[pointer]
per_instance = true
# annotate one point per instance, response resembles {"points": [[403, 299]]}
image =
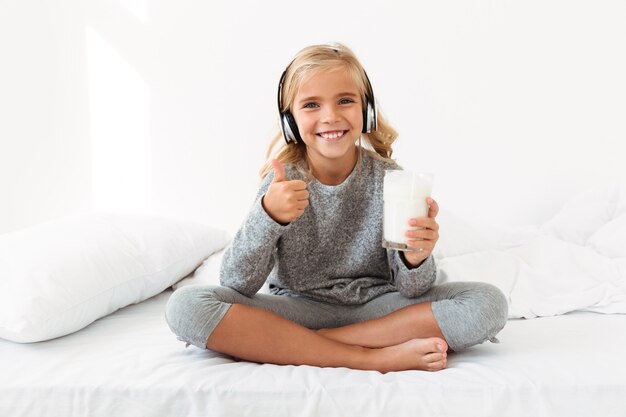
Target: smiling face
{"points": [[327, 110]]}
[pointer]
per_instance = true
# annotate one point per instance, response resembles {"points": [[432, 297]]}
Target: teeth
{"points": [[329, 135]]}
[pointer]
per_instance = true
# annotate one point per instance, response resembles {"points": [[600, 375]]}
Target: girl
{"points": [[338, 298]]}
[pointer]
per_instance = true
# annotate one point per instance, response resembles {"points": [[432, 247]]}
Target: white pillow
{"points": [[610, 239], [209, 274], [206, 274], [461, 236], [58, 277], [587, 212]]}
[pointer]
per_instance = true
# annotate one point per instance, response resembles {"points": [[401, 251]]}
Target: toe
{"points": [[436, 366], [441, 345], [434, 357]]}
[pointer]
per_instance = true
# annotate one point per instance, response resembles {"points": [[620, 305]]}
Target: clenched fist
{"points": [[285, 200]]}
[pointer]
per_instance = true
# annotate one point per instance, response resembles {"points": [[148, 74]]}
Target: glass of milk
{"points": [[404, 198]]}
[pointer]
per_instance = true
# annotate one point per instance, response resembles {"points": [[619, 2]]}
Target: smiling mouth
{"points": [[332, 136]]}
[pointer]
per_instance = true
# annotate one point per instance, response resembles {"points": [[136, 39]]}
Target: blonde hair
{"points": [[311, 60]]}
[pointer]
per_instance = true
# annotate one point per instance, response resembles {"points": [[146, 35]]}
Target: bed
{"points": [[128, 364], [560, 353]]}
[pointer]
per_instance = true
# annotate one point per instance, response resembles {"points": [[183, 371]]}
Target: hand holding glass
{"points": [[404, 198]]}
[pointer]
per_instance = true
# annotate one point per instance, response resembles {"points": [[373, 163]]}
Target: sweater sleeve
{"points": [[414, 282], [251, 256]]}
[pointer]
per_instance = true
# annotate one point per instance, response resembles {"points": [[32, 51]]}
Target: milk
{"points": [[404, 197]]}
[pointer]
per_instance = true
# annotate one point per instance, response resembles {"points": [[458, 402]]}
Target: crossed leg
{"points": [[388, 333], [411, 322], [257, 335]]}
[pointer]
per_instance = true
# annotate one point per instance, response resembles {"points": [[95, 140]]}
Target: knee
{"points": [[471, 313], [193, 311], [494, 308], [179, 307]]}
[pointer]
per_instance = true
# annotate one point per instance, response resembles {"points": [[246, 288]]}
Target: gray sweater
{"points": [[332, 252]]}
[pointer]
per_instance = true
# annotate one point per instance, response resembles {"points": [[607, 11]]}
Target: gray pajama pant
{"points": [[468, 313]]}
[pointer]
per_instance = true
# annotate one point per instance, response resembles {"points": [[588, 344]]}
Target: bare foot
{"points": [[419, 354]]}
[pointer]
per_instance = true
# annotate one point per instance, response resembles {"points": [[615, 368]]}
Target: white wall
{"points": [[167, 107]]}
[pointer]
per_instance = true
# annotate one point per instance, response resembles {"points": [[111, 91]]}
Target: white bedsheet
{"points": [[129, 364]]}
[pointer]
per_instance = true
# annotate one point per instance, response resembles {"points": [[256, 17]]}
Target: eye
{"points": [[346, 101], [310, 105]]}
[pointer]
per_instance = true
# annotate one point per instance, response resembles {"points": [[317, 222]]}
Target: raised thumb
{"points": [[279, 171]]}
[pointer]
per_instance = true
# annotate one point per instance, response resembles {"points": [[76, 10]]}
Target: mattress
{"points": [[130, 364]]}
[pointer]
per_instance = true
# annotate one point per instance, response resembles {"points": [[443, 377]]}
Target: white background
{"points": [[167, 107]]}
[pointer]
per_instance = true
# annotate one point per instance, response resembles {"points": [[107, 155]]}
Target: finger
{"points": [[426, 246], [421, 234], [433, 210], [301, 195], [296, 185], [303, 204], [425, 222], [279, 171]]}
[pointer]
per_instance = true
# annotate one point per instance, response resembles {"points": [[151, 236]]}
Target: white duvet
{"points": [[575, 261]]}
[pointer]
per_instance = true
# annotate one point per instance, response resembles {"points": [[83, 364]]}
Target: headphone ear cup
{"points": [[290, 128], [369, 118]]}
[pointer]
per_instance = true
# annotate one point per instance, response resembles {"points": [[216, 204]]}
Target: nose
{"points": [[330, 114]]}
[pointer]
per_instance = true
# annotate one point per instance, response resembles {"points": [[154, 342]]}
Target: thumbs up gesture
{"points": [[285, 200]]}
